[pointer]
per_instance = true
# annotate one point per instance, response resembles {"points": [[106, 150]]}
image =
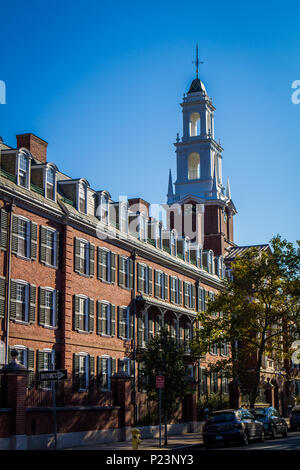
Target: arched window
{"points": [[195, 128], [23, 169], [194, 166]]}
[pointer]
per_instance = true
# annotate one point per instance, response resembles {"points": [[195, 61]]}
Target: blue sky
{"points": [[102, 82]]}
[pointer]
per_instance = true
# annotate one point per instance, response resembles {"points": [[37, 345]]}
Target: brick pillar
{"points": [[121, 392], [16, 381]]}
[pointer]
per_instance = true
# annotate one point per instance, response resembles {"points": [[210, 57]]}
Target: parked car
{"points": [[232, 425], [273, 423], [295, 418]]}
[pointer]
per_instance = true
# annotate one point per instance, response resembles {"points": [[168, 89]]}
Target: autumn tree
{"points": [[257, 312]]}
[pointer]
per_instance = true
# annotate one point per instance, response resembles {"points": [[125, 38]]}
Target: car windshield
{"points": [[259, 412], [220, 417]]}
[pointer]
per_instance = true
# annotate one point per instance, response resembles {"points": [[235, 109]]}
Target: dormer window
{"points": [[173, 243], [23, 170], [123, 217], [82, 198], [50, 190], [104, 208], [186, 248], [142, 227]]}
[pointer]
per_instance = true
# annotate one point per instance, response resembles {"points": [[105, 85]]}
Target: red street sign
{"points": [[160, 381]]}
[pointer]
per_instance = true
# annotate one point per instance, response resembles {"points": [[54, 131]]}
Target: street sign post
{"points": [[53, 376], [49, 375], [160, 384]]}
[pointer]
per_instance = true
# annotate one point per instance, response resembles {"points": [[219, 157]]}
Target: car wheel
{"points": [[245, 439], [273, 433], [262, 436]]}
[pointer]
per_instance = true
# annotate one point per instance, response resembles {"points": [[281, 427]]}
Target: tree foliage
{"points": [[257, 313], [163, 357]]}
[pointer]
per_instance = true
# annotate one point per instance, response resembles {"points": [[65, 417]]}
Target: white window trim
{"points": [[50, 167], [85, 313], [86, 371], [21, 347], [19, 155], [54, 294], [109, 370], [27, 286]]}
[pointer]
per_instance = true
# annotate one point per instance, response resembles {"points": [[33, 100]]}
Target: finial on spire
{"points": [[197, 62]]}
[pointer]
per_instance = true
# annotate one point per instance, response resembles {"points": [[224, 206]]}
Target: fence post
{"points": [[16, 381]]}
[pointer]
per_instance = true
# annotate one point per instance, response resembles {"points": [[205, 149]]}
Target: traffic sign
{"points": [[160, 381], [56, 375]]}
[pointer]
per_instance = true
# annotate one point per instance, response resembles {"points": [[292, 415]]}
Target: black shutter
{"points": [[91, 371], [13, 294], [121, 270], [15, 231], [3, 228], [92, 260], [150, 280], [131, 267], [112, 267], [42, 310], [43, 235], [91, 315], [2, 297], [76, 255], [33, 240], [76, 312], [112, 320], [32, 303]]}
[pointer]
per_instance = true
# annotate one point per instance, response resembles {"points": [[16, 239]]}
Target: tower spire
{"points": [[197, 62], [170, 186]]}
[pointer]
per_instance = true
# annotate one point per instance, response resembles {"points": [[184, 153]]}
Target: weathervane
{"points": [[197, 62]]}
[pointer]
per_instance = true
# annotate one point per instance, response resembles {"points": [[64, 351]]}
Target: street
{"points": [[292, 442]]}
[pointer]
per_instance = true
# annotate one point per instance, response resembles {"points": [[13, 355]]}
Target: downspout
{"points": [[197, 326], [8, 279], [133, 257]]}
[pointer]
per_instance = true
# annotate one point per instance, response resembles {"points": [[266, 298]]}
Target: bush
{"points": [[213, 402]]}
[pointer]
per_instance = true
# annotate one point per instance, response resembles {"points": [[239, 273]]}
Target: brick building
{"points": [[72, 261]]}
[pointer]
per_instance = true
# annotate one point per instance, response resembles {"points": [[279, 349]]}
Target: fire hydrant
{"points": [[136, 438]]}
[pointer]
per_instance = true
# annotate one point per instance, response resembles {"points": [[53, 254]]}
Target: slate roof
{"points": [[240, 250]]}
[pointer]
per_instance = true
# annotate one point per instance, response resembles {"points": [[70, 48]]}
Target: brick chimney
{"points": [[34, 144], [139, 205]]}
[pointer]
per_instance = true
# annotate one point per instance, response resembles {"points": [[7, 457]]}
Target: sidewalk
{"points": [[178, 441]]}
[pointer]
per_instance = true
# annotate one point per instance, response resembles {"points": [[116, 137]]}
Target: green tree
{"points": [[257, 312], [163, 356]]}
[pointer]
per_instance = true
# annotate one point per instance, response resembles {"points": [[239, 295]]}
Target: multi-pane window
{"points": [[82, 198], [125, 273], [83, 371], [106, 318], [23, 172], [203, 381], [213, 348], [48, 307], [125, 323], [161, 284], [22, 301], [103, 209], [49, 248], [50, 183], [106, 265], [47, 360], [83, 313], [175, 290], [84, 257], [224, 348], [26, 358], [24, 237], [106, 367], [144, 279], [142, 227], [213, 382], [189, 295], [225, 384], [202, 299], [173, 243]]}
